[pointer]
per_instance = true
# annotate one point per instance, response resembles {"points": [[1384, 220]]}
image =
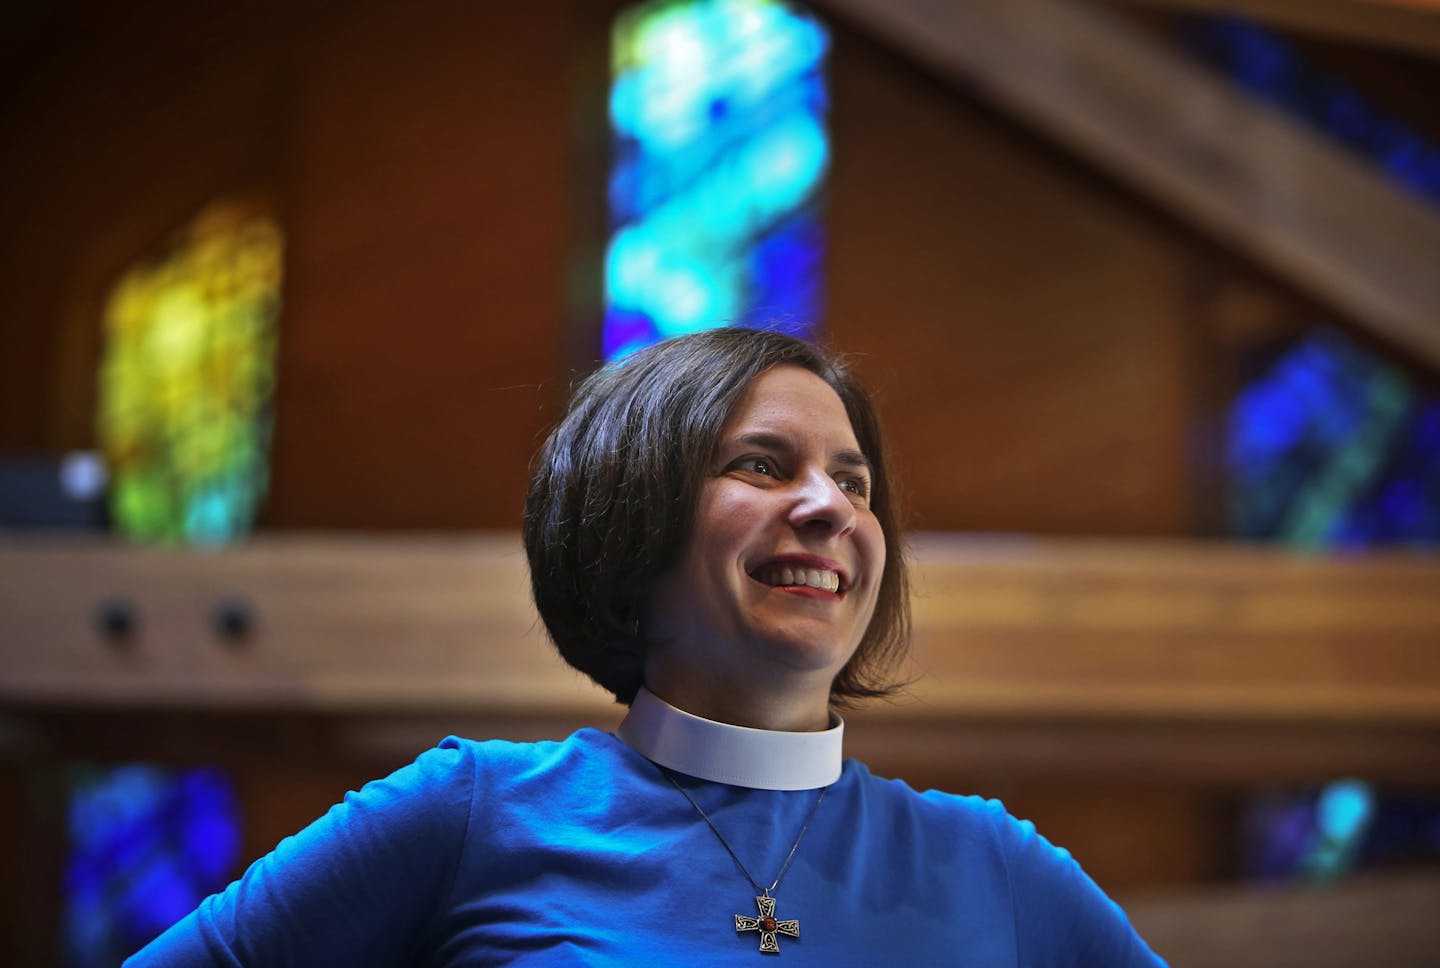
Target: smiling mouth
{"points": [[791, 576]]}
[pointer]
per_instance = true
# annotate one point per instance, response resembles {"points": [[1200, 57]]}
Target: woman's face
{"points": [[779, 581]]}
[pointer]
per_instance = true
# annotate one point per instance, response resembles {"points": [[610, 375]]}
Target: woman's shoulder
{"points": [[970, 816], [488, 762], [457, 755], [1055, 903], [935, 806]]}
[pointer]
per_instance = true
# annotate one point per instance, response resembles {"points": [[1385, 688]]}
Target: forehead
{"points": [[791, 399]]}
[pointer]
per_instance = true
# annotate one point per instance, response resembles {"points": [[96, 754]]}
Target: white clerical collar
{"points": [[761, 759]]}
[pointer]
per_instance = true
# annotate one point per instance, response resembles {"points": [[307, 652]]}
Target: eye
{"points": [[858, 486], [763, 466]]}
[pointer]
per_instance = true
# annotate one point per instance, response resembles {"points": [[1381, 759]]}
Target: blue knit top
{"points": [[581, 852]]}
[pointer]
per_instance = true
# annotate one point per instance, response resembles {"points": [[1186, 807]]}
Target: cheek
{"points": [[711, 550], [872, 544], [727, 519], [872, 540]]}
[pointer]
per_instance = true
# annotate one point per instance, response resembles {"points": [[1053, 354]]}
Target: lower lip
{"points": [[805, 591]]}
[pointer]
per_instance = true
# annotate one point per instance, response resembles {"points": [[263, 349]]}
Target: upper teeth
{"points": [[786, 575]]}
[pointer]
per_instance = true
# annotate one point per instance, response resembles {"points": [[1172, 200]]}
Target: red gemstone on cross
{"points": [[767, 924]]}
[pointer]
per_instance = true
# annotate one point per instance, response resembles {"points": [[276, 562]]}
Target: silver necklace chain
{"points": [[765, 891]]}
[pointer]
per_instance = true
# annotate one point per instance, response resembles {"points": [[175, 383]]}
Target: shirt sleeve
{"points": [[1061, 916], [359, 886]]}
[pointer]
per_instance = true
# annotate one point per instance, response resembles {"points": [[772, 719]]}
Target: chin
{"points": [[807, 650]]}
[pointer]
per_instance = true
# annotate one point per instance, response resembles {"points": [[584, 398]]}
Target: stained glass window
{"points": [[1331, 446], [1320, 835], [187, 377], [146, 845], [717, 111], [185, 387]]}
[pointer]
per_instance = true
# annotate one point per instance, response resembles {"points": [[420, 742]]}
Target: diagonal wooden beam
{"points": [[1408, 25], [1243, 172]]}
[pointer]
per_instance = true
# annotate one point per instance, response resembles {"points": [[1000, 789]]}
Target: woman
{"points": [[712, 538]]}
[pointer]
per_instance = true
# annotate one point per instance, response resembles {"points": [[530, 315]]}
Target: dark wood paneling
{"points": [[1021, 321], [424, 317]]}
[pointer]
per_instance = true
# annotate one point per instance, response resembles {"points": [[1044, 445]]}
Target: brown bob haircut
{"points": [[612, 500]]}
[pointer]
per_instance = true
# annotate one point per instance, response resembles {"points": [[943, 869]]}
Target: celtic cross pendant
{"points": [[766, 924]]}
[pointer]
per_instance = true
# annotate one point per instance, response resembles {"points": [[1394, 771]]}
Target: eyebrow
{"points": [[846, 457]]}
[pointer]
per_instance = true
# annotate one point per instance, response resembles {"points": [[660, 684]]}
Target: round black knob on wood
{"points": [[233, 619], [116, 619]]}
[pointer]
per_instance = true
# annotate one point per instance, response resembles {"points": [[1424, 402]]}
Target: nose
{"points": [[820, 505]]}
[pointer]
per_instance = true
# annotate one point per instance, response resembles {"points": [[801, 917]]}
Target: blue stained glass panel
{"points": [[1331, 446], [1320, 835], [147, 844], [718, 112]]}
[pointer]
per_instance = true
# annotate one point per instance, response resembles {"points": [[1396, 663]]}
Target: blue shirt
{"points": [[581, 852]]}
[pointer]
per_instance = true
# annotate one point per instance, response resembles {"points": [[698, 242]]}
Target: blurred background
{"points": [[1149, 294]]}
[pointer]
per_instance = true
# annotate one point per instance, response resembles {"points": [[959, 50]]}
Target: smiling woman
{"points": [[778, 583], [709, 445], [712, 537]]}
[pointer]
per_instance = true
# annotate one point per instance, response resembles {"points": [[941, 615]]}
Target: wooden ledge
{"points": [[1187, 661], [1005, 628]]}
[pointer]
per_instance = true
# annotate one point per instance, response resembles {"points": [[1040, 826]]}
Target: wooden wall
{"points": [[425, 317], [1025, 322]]}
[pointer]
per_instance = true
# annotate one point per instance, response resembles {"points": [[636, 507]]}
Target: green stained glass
{"points": [[186, 380]]}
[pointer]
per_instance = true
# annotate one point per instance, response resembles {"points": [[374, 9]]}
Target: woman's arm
{"points": [[359, 886], [1061, 916]]}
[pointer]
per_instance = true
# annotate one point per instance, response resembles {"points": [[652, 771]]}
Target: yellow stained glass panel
{"points": [[187, 376]]}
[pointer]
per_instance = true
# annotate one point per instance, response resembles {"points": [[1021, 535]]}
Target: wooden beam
{"points": [[1412, 26], [1080, 630], [1367, 918], [1197, 663], [1241, 171], [336, 623], [1160, 630]]}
